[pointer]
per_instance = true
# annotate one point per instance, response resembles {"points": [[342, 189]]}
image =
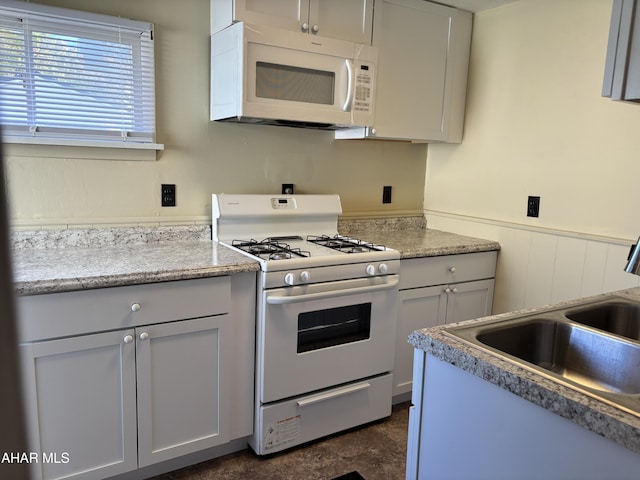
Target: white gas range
{"points": [[326, 316]]}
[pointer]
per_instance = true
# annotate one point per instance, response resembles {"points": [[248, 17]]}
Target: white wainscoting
{"points": [[538, 266]]}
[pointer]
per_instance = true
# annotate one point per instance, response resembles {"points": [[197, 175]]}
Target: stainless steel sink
{"points": [[594, 348], [617, 317], [577, 354]]}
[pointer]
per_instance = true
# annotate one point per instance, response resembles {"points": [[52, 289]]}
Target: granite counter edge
{"points": [[423, 252]]}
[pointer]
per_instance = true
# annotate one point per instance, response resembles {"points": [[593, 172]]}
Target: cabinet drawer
{"points": [[422, 272], [88, 311]]}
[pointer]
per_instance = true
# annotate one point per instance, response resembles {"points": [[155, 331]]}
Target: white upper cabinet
{"points": [[422, 72], [622, 68], [350, 20]]}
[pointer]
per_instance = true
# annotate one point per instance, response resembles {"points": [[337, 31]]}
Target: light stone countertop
{"points": [[411, 237], [38, 271], [607, 420], [50, 261], [426, 243]]}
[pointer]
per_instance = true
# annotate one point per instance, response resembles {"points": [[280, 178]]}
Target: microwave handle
{"points": [[349, 100]]}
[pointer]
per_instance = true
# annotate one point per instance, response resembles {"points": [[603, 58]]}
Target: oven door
{"points": [[316, 336]]}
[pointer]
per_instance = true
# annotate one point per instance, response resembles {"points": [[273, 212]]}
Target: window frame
{"points": [[143, 135]]}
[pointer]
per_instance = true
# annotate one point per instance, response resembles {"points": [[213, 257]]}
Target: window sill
{"points": [[63, 142], [72, 149]]}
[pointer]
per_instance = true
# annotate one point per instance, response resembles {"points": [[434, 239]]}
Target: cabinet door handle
{"points": [[135, 307], [305, 27], [451, 290], [452, 269], [128, 339], [144, 335], [315, 29]]}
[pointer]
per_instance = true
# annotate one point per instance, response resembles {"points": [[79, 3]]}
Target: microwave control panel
{"points": [[364, 88]]}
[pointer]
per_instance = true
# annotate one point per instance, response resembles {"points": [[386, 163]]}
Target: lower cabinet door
{"points": [[469, 300], [417, 308], [182, 387], [80, 397]]}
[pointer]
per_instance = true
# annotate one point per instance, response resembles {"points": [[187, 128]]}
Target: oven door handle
{"points": [[287, 299], [321, 397]]}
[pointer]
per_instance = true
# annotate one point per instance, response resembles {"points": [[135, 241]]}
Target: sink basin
{"points": [[582, 356], [617, 317], [593, 347]]}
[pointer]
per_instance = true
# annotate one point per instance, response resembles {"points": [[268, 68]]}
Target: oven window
{"points": [[333, 326], [283, 82]]}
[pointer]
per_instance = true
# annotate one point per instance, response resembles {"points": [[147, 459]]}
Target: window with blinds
{"points": [[70, 77]]}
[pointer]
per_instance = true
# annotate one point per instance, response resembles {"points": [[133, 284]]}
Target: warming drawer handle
{"points": [[284, 300], [321, 397]]}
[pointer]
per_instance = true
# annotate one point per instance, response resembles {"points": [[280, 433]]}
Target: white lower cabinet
{"points": [[435, 291], [81, 405], [102, 404], [181, 382], [498, 435]]}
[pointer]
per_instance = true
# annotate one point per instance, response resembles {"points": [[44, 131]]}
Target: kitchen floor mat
{"points": [[350, 476]]}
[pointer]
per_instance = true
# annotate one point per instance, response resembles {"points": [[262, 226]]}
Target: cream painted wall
{"points": [[53, 186], [536, 124]]}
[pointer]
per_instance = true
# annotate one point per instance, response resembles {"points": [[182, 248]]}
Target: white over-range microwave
{"points": [[276, 77]]}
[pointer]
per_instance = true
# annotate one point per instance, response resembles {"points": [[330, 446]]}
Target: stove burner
{"points": [[344, 244], [271, 248]]}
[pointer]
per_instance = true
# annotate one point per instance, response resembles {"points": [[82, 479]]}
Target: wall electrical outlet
{"points": [[168, 195], [386, 194], [533, 207]]}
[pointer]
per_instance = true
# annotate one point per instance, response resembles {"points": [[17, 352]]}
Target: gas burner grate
{"points": [[271, 248], [344, 244]]}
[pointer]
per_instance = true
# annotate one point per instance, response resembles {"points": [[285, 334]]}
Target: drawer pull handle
{"points": [[136, 307], [452, 269], [303, 402], [144, 336], [128, 339]]}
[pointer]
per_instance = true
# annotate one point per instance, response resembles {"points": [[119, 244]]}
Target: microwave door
{"points": [[292, 85]]}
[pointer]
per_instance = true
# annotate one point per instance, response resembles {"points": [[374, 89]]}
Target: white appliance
{"points": [[277, 77], [326, 316]]}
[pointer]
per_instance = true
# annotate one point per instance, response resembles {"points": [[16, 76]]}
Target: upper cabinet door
{"points": [[622, 67], [422, 72], [343, 19], [287, 14], [350, 20]]}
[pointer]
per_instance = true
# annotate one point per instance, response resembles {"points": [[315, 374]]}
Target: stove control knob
{"points": [[305, 276], [383, 269], [290, 278], [371, 270]]}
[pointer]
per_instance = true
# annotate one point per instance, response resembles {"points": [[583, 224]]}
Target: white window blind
{"points": [[70, 76]]}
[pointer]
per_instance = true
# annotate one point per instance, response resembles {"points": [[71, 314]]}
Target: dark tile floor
{"points": [[377, 451]]}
